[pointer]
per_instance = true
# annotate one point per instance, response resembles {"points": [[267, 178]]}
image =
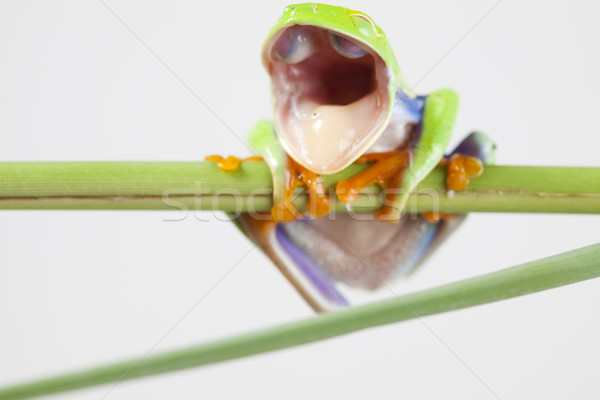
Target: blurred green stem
{"points": [[550, 272], [202, 186]]}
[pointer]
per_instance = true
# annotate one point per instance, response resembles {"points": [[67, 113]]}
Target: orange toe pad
{"points": [[230, 163], [460, 169]]}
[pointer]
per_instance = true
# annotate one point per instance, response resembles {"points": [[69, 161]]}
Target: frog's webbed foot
{"points": [[318, 199], [230, 163], [461, 168], [288, 175], [470, 156], [465, 162], [387, 172]]}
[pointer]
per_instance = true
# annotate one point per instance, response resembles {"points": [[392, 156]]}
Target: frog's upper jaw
{"points": [[331, 96]]}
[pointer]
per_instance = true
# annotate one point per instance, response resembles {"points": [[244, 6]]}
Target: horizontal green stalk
{"points": [[203, 186], [550, 272]]}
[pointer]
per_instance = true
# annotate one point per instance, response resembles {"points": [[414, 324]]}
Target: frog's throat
{"points": [[329, 109]]}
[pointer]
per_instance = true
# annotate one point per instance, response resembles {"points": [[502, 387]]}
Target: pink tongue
{"points": [[324, 138]]}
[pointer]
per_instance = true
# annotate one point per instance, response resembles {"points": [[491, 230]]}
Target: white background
{"points": [[82, 288]]}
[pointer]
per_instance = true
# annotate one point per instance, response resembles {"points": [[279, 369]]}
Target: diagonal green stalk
{"points": [[562, 269], [202, 186]]}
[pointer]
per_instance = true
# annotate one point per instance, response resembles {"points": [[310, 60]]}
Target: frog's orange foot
{"points": [[230, 163], [346, 191], [460, 169], [387, 171], [389, 212], [318, 200]]}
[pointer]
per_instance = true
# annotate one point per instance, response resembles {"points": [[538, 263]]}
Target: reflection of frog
{"points": [[339, 99]]}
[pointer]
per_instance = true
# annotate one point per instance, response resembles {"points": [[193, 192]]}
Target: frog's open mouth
{"points": [[331, 96]]}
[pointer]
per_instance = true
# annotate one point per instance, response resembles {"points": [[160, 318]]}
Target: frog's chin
{"points": [[329, 109]]}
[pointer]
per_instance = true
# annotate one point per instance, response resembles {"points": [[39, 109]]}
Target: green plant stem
{"points": [[562, 269], [202, 186]]}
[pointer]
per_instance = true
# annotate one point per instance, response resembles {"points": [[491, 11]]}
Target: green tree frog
{"points": [[338, 98]]}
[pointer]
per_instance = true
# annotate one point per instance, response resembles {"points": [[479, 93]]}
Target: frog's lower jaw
{"points": [[324, 131], [329, 108]]}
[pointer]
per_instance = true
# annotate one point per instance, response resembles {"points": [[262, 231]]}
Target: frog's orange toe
{"points": [[386, 166], [230, 163], [387, 171], [473, 166], [318, 198], [460, 169], [319, 206], [346, 192]]}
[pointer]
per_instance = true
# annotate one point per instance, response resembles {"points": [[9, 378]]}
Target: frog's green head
{"points": [[334, 80]]}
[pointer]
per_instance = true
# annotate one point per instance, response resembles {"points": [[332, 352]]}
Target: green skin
{"points": [[440, 106]]}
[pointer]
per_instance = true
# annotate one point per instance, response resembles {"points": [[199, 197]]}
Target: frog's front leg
{"points": [[295, 175], [387, 171], [287, 175], [409, 166], [318, 199]]}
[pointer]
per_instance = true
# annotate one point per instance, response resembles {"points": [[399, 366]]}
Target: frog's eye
{"points": [[293, 46], [346, 47]]}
